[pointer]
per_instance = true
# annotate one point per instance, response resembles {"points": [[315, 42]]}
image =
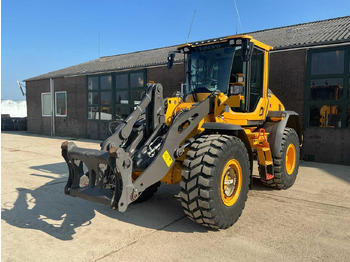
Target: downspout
{"points": [[52, 91]]}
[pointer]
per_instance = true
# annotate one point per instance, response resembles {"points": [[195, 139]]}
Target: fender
{"points": [[275, 129], [213, 126]]}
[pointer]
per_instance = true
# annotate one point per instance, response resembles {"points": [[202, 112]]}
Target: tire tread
{"points": [[197, 179]]}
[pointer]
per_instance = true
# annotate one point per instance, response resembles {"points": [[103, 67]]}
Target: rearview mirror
{"points": [[171, 58], [247, 49]]}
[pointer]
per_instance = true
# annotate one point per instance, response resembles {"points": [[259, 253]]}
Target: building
{"points": [[309, 72]]}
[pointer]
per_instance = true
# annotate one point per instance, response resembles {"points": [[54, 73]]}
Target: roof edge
{"points": [[300, 24], [276, 48]]}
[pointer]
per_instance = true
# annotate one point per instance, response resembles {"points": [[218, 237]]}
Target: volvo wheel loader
{"points": [[206, 137]]}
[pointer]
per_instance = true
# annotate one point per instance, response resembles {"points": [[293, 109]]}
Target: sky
{"points": [[39, 36]]}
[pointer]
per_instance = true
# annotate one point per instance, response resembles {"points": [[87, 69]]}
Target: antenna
{"points": [[20, 88], [189, 32], [239, 19], [99, 44]]}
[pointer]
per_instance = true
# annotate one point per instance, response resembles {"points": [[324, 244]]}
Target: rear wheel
{"points": [[148, 193], [286, 162], [215, 179]]}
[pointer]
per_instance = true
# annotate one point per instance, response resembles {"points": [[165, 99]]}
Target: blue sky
{"points": [[43, 36]]}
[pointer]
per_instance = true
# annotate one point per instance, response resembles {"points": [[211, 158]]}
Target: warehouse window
{"points": [[326, 89], [330, 62], [327, 96], [129, 87], [61, 103], [114, 96], [46, 104], [100, 97]]}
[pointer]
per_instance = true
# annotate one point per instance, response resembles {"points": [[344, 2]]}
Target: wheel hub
{"points": [[290, 159], [231, 182]]}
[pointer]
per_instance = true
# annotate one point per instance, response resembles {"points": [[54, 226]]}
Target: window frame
{"points": [[98, 91], [65, 92], [42, 104], [262, 78], [344, 103], [113, 89]]}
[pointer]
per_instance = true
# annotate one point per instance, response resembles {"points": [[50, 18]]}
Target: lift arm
{"points": [[111, 168]]}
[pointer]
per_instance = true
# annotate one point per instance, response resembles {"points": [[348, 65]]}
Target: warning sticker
{"points": [[167, 158]]}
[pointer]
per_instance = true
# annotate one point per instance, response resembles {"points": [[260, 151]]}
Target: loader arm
{"points": [[153, 150]]}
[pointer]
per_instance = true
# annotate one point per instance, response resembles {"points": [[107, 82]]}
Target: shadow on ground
{"points": [[49, 210]]}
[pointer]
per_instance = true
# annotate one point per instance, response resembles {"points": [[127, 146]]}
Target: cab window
{"points": [[256, 78]]}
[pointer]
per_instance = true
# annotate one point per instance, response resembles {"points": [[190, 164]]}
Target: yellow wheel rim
{"points": [[290, 159], [231, 182]]}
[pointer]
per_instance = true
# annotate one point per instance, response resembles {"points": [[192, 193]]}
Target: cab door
{"points": [[253, 107]]}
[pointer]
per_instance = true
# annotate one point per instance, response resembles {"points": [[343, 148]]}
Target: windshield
{"points": [[209, 69]]}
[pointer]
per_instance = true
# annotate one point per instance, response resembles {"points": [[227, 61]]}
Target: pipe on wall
{"points": [[52, 91]]}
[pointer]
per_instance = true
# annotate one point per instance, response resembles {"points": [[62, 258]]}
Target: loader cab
{"points": [[237, 61]]}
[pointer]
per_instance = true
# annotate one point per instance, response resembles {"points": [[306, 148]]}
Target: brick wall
{"points": [[287, 81], [170, 79], [327, 145], [74, 124], [287, 78], [35, 122]]}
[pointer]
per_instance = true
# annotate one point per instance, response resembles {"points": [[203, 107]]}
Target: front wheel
{"points": [[215, 180]]}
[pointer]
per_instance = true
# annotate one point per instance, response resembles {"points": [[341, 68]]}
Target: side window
{"points": [[100, 97], [256, 78], [46, 104], [327, 103], [61, 103], [238, 75]]}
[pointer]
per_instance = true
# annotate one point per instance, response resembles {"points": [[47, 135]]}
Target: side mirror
{"points": [[171, 58], [247, 49], [183, 88]]}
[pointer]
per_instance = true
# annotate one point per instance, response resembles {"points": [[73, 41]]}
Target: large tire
{"points": [[148, 193], [285, 163], [215, 180]]}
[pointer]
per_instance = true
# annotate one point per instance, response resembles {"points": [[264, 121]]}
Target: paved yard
{"points": [[309, 222]]}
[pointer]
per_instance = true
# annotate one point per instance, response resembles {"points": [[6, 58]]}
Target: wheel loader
{"points": [[206, 137]]}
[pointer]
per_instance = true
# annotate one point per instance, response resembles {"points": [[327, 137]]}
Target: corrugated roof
{"points": [[114, 63], [330, 31]]}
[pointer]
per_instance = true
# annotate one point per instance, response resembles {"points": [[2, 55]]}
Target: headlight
{"points": [[234, 90]]}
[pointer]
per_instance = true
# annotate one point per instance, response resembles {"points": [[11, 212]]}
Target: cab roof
{"points": [[226, 39]]}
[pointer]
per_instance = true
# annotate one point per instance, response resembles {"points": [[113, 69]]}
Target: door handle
{"points": [[261, 111]]}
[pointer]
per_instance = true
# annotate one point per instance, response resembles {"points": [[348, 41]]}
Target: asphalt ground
{"points": [[308, 222]]}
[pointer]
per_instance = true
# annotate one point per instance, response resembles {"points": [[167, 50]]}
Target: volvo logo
{"points": [[208, 47]]}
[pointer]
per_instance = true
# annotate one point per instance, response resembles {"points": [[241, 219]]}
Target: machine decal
{"points": [[167, 158]]}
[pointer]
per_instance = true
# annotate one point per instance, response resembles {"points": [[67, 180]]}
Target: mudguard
{"points": [[275, 129]]}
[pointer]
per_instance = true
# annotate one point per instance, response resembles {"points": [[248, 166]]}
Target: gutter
{"points": [[309, 47], [106, 71]]}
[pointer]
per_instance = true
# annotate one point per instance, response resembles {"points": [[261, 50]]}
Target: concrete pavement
{"points": [[308, 222]]}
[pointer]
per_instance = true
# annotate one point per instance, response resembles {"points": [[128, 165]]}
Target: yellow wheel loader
{"points": [[206, 137]]}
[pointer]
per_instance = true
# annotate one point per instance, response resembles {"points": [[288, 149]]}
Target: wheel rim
{"points": [[231, 182], [290, 159]]}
